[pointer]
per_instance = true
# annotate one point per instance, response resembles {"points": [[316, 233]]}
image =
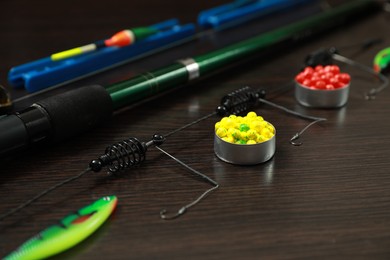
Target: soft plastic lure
{"points": [[382, 60], [71, 230]]}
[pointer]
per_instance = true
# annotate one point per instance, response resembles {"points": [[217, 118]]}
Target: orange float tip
{"points": [[120, 39]]}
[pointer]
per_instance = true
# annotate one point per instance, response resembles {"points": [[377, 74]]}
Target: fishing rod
{"points": [[65, 115], [127, 154], [131, 152]]}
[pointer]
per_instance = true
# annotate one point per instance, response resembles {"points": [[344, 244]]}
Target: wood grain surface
{"points": [[326, 199]]}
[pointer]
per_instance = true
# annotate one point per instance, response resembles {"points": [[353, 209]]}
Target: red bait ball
{"points": [[323, 77]]}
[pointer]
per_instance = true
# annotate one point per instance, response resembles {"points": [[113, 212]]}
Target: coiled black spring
{"points": [[125, 154], [239, 101], [131, 152]]}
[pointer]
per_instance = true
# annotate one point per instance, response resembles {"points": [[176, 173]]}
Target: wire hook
{"points": [[371, 94], [182, 210], [295, 137], [165, 216], [298, 135]]}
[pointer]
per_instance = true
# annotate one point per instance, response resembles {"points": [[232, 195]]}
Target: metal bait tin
{"points": [[245, 154], [321, 98]]}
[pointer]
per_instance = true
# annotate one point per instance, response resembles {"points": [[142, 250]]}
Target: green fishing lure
{"points": [[382, 60], [71, 230]]}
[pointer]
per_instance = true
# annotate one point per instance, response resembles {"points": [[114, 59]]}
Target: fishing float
{"points": [[120, 39]]}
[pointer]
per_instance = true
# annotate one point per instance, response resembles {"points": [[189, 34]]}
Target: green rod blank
{"points": [[151, 83]]}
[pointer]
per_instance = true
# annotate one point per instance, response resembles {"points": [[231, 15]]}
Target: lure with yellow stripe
{"points": [[71, 230]]}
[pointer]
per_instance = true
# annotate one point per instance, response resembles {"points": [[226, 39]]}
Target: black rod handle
{"points": [[55, 118]]}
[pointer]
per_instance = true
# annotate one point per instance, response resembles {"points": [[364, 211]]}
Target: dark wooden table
{"points": [[329, 198]]}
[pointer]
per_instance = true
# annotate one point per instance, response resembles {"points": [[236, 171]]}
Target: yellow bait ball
{"points": [[221, 132], [228, 139], [235, 133], [250, 129], [217, 125], [251, 114], [239, 119], [244, 136], [266, 133], [256, 126], [260, 139], [271, 128], [251, 134], [228, 123]]}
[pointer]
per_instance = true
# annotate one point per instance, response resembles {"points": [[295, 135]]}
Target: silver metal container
{"points": [[244, 154], [321, 98]]}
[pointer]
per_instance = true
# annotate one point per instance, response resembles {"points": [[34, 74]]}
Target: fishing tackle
{"points": [[120, 39], [124, 154], [320, 57], [132, 152], [324, 57], [327, 56], [371, 94], [70, 231], [239, 101], [382, 60]]}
